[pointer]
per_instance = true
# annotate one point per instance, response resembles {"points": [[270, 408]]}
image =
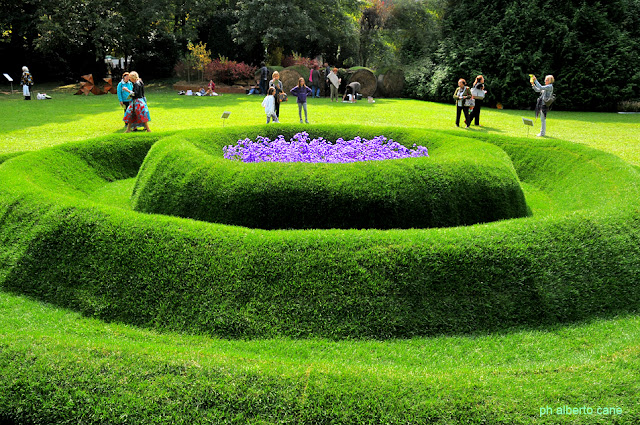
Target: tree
{"points": [[199, 56], [309, 28], [415, 28], [585, 44], [372, 37]]}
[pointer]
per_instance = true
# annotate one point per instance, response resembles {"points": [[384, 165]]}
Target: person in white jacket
{"points": [[269, 105]]}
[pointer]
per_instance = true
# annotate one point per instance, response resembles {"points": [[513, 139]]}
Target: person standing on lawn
{"points": [[315, 81], [478, 87], [327, 83], [334, 83], [269, 105], [125, 90], [27, 81], [301, 91], [461, 95], [545, 99], [264, 78], [137, 112], [277, 85]]}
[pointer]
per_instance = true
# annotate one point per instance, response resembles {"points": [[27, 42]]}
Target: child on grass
{"points": [[269, 105], [301, 91]]}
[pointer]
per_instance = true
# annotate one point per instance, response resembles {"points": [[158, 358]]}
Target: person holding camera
{"points": [[544, 101], [462, 95], [477, 92]]}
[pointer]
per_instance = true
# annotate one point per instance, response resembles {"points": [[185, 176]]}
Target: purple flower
{"points": [[301, 148]]}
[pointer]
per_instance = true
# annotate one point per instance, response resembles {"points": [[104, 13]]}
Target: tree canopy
{"points": [[590, 46]]}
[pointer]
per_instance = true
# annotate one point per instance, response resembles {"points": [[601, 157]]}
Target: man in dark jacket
{"points": [[327, 83], [264, 78]]}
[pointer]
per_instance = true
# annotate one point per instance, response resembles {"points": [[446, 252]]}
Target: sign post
{"points": [[224, 117], [10, 80], [528, 122]]}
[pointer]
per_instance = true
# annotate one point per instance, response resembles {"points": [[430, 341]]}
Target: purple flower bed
{"points": [[301, 148]]}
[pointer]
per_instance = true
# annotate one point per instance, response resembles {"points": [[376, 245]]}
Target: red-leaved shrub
{"points": [[296, 59], [228, 72]]}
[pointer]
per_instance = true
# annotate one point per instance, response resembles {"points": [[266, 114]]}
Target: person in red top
{"points": [[211, 89]]}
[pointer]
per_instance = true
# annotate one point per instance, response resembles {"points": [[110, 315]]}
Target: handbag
{"points": [[550, 101], [282, 97], [477, 93], [469, 102]]}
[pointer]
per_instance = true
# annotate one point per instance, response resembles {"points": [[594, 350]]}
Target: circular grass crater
{"points": [[463, 182], [577, 260]]}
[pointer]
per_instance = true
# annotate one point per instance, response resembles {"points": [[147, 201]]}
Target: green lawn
{"points": [[36, 124], [104, 371], [59, 367]]}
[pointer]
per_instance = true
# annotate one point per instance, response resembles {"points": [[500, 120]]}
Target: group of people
{"points": [[210, 91], [131, 96], [276, 95], [469, 100], [331, 83]]}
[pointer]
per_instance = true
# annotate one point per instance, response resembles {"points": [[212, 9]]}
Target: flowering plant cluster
{"points": [[301, 148]]}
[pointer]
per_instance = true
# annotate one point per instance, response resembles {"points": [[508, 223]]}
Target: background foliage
{"points": [[592, 47], [589, 46]]}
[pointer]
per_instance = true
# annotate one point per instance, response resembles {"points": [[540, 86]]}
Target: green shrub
{"points": [[578, 261], [463, 182]]}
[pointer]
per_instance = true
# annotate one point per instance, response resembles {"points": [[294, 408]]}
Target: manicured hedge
{"points": [[463, 182], [578, 260]]}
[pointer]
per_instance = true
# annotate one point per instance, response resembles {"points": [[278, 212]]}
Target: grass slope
{"points": [[58, 367], [165, 272], [463, 182]]}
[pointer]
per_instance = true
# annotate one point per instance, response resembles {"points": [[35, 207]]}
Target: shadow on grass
{"points": [[485, 129], [587, 117], [65, 108], [7, 156]]}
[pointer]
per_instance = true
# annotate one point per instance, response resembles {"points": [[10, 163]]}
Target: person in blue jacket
{"points": [[125, 89]]}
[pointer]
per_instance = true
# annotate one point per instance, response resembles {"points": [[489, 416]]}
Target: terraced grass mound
{"points": [[576, 260], [463, 182]]}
